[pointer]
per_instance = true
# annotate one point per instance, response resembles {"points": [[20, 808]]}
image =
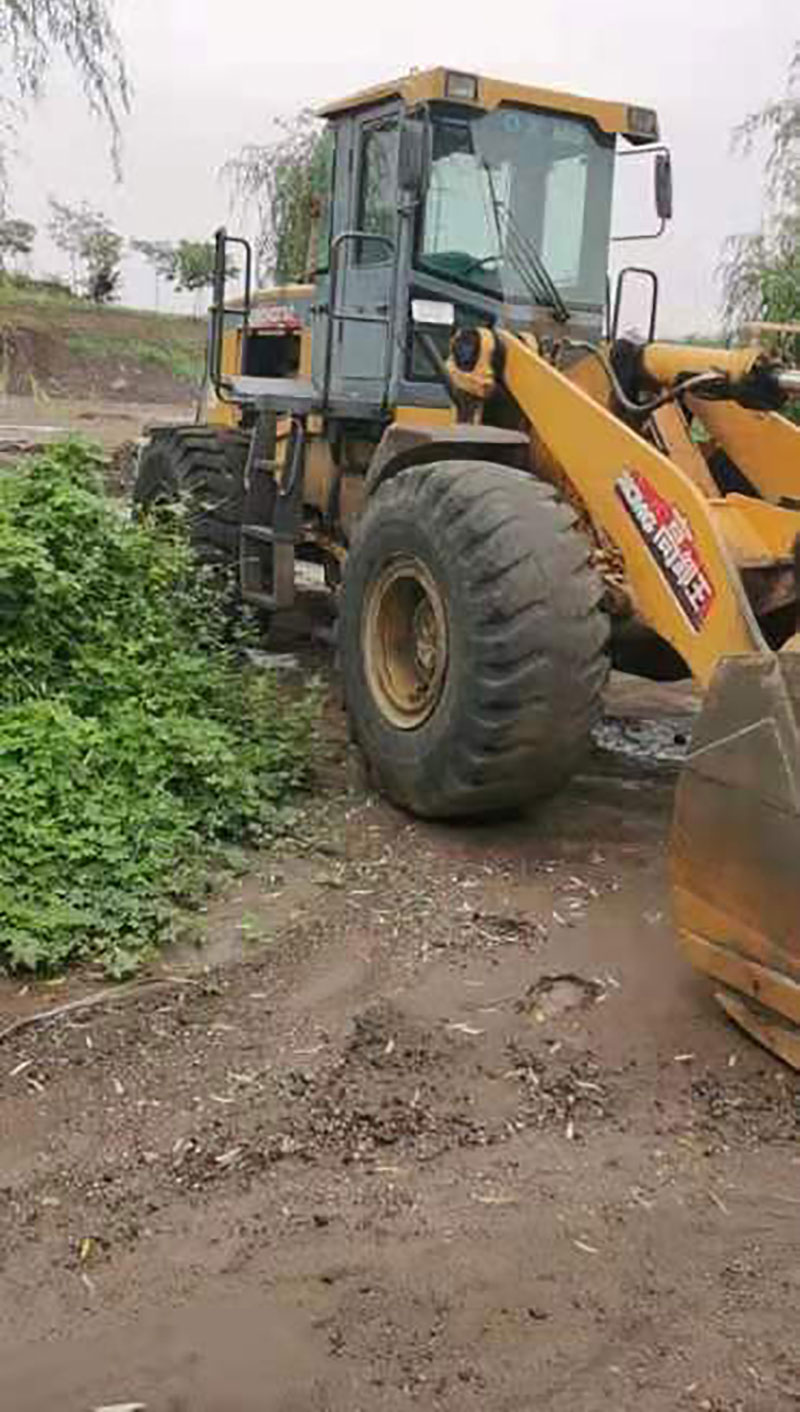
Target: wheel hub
{"points": [[405, 642]]}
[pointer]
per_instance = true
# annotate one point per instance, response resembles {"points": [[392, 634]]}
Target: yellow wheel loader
{"points": [[504, 495]]}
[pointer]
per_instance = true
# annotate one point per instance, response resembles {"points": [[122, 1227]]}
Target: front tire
{"points": [[473, 646]]}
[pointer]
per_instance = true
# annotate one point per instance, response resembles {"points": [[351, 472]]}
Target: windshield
{"points": [[519, 202]]}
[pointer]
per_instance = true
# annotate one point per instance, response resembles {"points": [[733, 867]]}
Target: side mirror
{"points": [[663, 184], [412, 165]]}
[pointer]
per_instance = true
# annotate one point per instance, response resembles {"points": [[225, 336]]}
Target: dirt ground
{"points": [[29, 425], [437, 1118]]}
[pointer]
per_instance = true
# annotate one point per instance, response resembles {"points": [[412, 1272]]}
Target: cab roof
{"points": [[637, 124]]}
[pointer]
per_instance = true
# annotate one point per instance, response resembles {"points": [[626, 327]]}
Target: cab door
{"points": [[363, 258]]}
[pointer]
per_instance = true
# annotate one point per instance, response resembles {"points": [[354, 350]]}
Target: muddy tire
{"points": [[473, 646], [204, 469]]}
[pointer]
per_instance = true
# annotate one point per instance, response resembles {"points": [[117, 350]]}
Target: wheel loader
{"points": [[503, 493]]}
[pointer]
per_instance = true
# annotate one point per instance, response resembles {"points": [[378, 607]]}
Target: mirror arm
{"points": [[656, 151], [650, 235]]}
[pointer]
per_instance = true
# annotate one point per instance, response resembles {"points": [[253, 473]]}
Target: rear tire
{"points": [[473, 646], [202, 468]]}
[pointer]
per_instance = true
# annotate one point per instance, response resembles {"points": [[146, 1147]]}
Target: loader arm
{"points": [[678, 566], [764, 445]]}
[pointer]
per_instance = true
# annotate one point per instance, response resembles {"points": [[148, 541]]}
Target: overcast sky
{"points": [[209, 77]]}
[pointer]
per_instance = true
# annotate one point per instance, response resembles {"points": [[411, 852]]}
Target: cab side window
{"points": [[323, 172], [377, 197]]}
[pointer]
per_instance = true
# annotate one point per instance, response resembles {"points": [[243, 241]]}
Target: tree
{"points": [[761, 271], [33, 32], [92, 245], [16, 238], [194, 265], [189, 265], [160, 254], [287, 181]]}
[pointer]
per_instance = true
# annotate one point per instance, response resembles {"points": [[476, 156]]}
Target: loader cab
{"points": [[453, 201], [457, 201]]}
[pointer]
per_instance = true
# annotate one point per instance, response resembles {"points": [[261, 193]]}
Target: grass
{"points": [[172, 344], [135, 749], [17, 292], [182, 362]]}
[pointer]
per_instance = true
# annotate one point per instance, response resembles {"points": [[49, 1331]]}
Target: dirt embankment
{"points": [[59, 350]]}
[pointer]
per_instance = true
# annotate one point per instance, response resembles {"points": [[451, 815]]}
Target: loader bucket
{"points": [[735, 852]]}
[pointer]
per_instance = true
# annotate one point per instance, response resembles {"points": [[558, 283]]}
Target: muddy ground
{"points": [[28, 427], [438, 1118]]}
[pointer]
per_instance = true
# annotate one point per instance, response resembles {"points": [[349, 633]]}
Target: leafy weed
{"points": [[134, 745]]}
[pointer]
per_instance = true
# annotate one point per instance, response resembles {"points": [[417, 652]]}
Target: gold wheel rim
{"points": [[404, 642]]}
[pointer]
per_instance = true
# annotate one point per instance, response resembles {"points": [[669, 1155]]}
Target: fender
{"points": [[409, 445]]}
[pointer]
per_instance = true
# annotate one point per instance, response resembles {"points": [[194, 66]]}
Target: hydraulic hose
{"points": [[641, 409]]}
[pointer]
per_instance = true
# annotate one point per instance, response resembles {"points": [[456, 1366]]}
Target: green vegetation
{"points": [[189, 265], [286, 181], [94, 248], [182, 362], [761, 270], [134, 747], [17, 289], [16, 239], [36, 34]]}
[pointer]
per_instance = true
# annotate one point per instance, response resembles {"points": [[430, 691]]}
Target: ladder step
{"points": [[266, 601], [269, 583], [263, 534], [266, 534]]}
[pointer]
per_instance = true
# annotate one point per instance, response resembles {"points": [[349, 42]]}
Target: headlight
{"points": [[462, 86], [643, 122]]}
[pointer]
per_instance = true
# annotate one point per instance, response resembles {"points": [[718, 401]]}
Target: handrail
{"points": [[219, 309]]}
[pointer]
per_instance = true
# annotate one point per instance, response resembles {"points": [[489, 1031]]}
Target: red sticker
{"points": [[668, 535], [279, 318]]}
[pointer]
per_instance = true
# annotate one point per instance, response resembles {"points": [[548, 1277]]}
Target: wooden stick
{"points": [[87, 1002]]}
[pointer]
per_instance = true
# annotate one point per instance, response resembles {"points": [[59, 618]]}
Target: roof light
{"points": [[461, 86], [643, 122]]}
